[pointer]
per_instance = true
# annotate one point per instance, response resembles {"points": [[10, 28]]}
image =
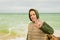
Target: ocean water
{"points": [[17, 24]]}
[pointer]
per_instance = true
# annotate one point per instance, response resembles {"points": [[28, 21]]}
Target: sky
{"points": [[23, 6]]}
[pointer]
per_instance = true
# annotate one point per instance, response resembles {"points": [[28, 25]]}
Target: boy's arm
{"points": [[47, 29]]}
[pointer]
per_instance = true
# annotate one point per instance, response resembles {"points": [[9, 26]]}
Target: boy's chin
{"points": [[33, 21]]}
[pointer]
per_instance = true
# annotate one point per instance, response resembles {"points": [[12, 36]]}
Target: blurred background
{"points": [[14, 17]]}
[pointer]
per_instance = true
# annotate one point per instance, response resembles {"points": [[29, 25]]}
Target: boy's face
{"points": [[33, 16]]}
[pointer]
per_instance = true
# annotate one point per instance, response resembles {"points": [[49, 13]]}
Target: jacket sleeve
{"points": [[47, 29]]}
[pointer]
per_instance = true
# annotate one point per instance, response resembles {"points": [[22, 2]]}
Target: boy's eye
{"points": [[30, 15], [33, 14]]}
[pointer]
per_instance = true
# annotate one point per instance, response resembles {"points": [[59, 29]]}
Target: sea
{"points": [[16, 24]]}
